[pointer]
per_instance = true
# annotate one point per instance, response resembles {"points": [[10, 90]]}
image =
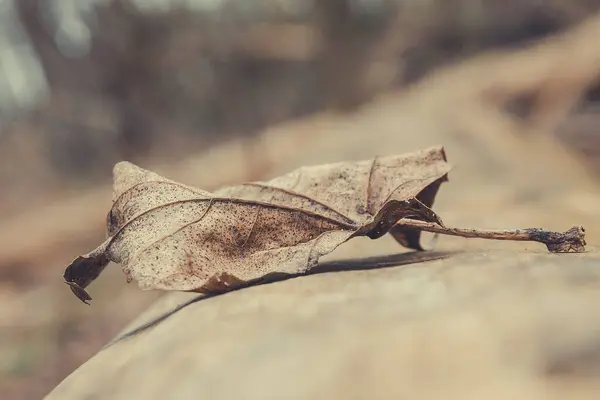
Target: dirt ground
{"points": [[509, 172]]}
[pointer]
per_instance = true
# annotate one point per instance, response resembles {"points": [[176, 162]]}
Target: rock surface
{"points": [[477, 325]]}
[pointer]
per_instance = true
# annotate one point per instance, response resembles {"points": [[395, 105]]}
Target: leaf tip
{"points": [[83, 270], [79, 292]]}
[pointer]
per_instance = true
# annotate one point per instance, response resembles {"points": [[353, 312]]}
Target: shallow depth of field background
{"points": [[222, 91]]}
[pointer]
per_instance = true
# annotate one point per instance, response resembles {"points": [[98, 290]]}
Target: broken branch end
{"points": [[571, 241]]}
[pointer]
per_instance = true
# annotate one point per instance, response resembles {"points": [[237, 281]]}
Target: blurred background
{"points": [[212, 92]]}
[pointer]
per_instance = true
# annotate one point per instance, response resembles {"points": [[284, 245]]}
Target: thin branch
{"points": [[571, 241]]}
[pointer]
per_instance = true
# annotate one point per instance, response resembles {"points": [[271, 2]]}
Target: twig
{"points": [[571, 241]]}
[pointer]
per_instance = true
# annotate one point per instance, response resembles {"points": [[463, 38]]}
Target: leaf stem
{"points": [[571, 241]]}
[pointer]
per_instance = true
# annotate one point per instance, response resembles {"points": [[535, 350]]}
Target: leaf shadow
{"points": [[356, 264]]}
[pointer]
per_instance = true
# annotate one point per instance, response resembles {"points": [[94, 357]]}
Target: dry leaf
{"points": [[171, 236]]}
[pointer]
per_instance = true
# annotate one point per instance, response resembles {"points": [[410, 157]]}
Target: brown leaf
{"points": [[174, 237]]}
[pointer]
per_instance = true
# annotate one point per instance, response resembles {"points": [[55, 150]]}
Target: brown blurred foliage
{"points": [[153, 82]]}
